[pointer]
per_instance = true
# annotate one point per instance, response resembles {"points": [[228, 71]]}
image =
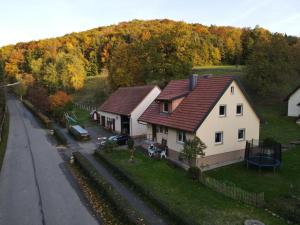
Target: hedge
{"points": [[43, 118], [60, 137], [127, 213], [176, 216]]}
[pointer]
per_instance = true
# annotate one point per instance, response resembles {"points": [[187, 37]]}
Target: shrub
{"points": [[43, 118], [60, 137], [118, 203], [287, 207], [38, 96], [109, 146], [269, 142], [194, 172], [130, 143]]}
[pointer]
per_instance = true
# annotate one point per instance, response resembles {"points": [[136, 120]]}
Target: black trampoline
{"points": [[266, 154]]}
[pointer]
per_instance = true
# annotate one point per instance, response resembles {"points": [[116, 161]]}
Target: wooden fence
{"points": [[231, 191], [85, 106]]}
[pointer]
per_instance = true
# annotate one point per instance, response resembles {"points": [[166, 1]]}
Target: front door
{"points": [[153, 132], [113, 124], [103, 121]]}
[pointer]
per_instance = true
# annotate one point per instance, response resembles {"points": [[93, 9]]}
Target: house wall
{"points": [[112, 116], [229, 125], [137, 128], [174, 146], [293, 109]]}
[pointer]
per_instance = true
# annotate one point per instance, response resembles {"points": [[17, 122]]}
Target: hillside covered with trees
{"points": [[153, 51]]}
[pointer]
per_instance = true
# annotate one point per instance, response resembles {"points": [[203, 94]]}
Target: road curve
{"points": [[34, 187]]}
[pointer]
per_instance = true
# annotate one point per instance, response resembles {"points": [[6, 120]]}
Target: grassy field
{"points": [[94, 91], [277, 125], [195, 200], [219, 70]]}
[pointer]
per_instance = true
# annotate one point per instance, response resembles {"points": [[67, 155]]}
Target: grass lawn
{"points": [[83, 116], [219, 70], [274, 185], [282, 128], [195, 200]]}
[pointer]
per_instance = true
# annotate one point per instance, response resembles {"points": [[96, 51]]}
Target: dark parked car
{"points": [[120, 139]]}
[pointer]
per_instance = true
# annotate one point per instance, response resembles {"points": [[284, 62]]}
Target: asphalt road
{"points": [[35, 188]]}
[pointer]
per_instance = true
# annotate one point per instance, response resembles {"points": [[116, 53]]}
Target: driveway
{"points": [[35, 187]]}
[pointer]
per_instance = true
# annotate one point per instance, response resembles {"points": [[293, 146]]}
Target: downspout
{"points": [[130, 128]]}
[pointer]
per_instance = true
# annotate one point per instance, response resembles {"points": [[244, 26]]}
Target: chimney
{"points": [[207, 75], [193, 81]]}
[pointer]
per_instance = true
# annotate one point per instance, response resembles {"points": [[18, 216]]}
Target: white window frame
{"points": [[244, 134], [222, 138], [166, 130], [164, 107], [232, 90], [225, 110], [183, 135], [242, 107]]}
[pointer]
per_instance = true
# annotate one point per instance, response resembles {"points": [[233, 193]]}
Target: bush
{"points": [[269, 142], [109, 146], [194, 172], [60, 137], [43, 118], [287, 207], [130, 143], [118, 203], [176, 216]]}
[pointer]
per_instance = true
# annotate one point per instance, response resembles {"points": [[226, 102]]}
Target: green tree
{"points": [[271, 69], [192, 149]]}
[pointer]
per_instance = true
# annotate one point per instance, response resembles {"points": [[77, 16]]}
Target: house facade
{"points": [[293, 100], [119, 113], [215, 109]]}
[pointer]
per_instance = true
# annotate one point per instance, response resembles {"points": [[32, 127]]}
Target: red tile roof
{"points": [[175, 88], [124, 100], [193, 110]]}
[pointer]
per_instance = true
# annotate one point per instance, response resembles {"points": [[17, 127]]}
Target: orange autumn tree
{"points": [[59, 100]]}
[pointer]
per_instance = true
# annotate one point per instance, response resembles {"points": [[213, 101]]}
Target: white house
{"points": [[119, 113], [293, 100], [214, 108]]}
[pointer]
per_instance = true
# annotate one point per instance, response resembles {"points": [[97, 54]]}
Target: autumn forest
{"points": [[153, 51]]}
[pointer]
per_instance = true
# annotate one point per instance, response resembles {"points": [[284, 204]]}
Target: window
{"points": [[222, 110], [219, 137], [157, 129], [232, 90], [181, 136], [166, 130], [239, 109], [166, 107], [241, 134], [161, 128]]}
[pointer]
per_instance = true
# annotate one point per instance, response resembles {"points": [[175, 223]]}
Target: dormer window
{"points": [[166, 107], [232, 90]]}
